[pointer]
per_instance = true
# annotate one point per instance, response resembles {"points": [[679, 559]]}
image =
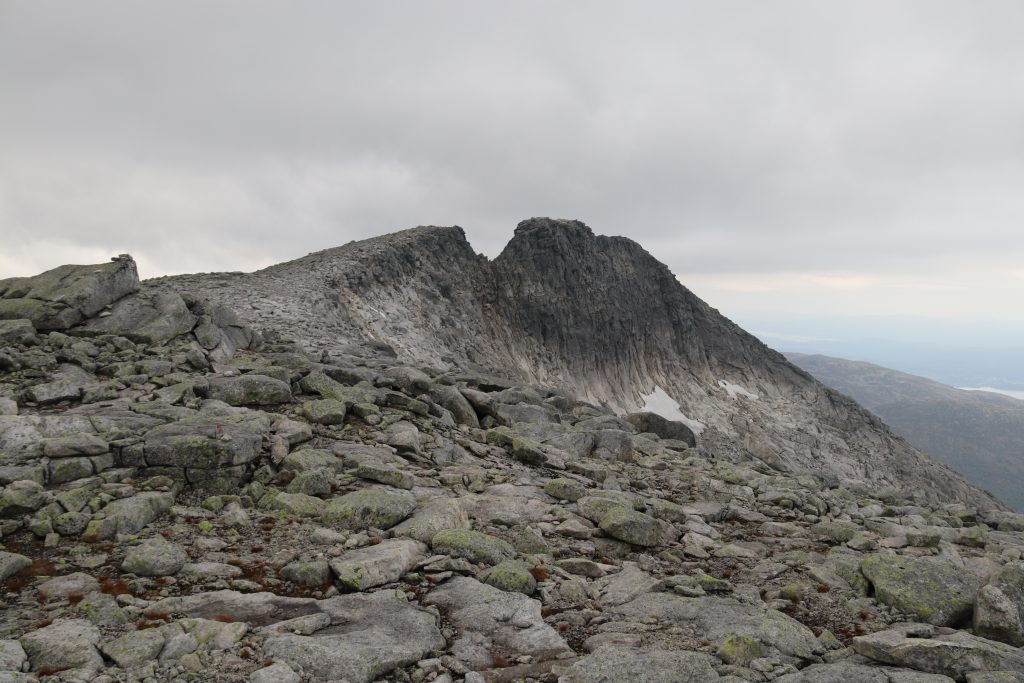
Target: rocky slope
{"points": [[185, 499], [977, 433], [596, 316]]}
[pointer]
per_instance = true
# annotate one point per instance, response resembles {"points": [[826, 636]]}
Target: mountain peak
{"points": [[552, 225], [596, 316]]}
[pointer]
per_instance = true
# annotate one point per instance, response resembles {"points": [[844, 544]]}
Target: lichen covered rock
{"points": [[930, 589]]}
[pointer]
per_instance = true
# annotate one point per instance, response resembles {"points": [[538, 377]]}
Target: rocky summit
{"points": [[398, 460]]}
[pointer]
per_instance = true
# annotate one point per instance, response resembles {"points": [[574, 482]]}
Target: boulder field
{"points": [[185, 498]]}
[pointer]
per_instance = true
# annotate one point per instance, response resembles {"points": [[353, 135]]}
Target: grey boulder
{"points": [[156, 557], [999, 611], [371, 635], [493, 623], [922, 647], [614, 664]]}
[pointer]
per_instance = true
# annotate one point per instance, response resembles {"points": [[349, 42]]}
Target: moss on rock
{"points": [[368, 508], [472, 545], [511, 576], [929, 588]]}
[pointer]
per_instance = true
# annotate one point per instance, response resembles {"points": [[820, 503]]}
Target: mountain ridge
{"points": [[596, 315]]}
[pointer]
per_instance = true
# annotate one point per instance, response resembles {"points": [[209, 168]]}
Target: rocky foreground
{"points": [[184, 500]]}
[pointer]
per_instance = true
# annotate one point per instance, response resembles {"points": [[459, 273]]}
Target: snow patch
{"points": [[658, 401], [735, 390]]}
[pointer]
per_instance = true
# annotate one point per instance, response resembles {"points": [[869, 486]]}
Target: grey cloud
{"points": [[726, 137]]}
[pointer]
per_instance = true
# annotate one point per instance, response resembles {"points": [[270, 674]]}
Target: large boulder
{"points": [[368, 508], [66, 383], [999, 612], [66, 295], [201, 443], [636, 528], [251, 389], [472, 545], [155, 557], [495, 623], [18, 332], [129, 515], [20, 497], [378, 564], [11, 564], [956, 654], [147, 317], [931, 589], [135, 648], [715, 619], [452, 399], [431, 517], [372, 634]]}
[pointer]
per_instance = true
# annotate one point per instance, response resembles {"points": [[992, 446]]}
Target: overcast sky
{"points": [[798, 157]]}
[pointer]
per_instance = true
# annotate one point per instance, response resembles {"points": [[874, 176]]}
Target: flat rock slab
{"points": [[851, 672], [81, 443], [472, 545], [371, 635], [377, 564], [256, 609], [210, 570], [24, 432], [507, 509], [493, 622], [311, 459], [717, 618], [156, 557], [615, 664], [628, 584], [251, 389], [64, 644], [929, 588], [69, 584], [369, 508], [955, 654]]}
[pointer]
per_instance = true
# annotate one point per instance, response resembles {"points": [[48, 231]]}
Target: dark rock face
{"points": [[596, 315]]}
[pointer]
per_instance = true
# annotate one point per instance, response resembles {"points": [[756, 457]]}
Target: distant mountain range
{"points": [[978, 433]]}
